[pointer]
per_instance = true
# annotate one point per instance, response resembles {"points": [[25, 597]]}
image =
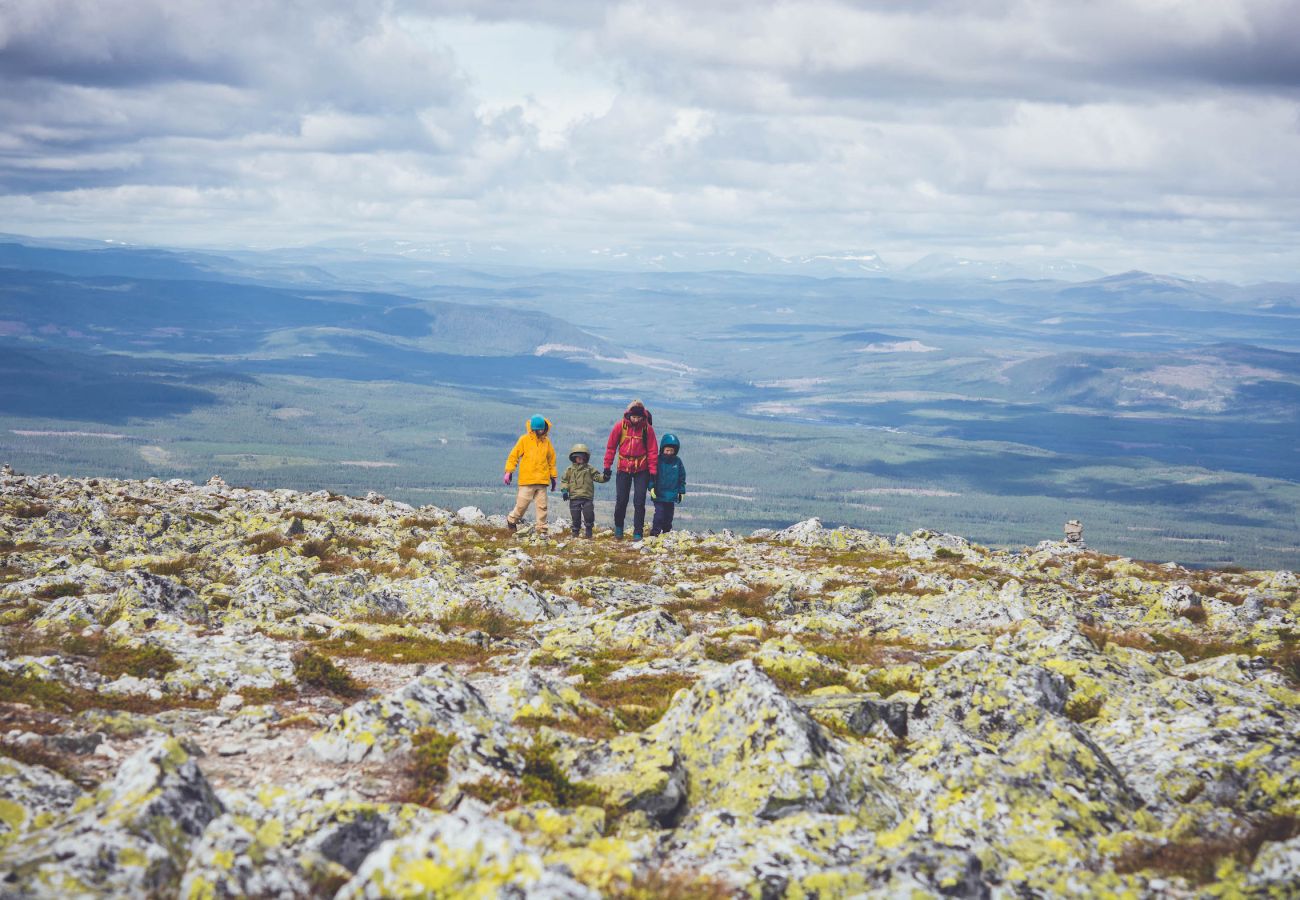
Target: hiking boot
{"points": [[512, 527], [618, 534], [636, 536], [575, 533], [587, 533]]}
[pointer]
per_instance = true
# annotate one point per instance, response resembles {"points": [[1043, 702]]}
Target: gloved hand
{"points": [[564, 495], [607, 471], [552, 483], [653, 495], [681, 498], [505, 479]]}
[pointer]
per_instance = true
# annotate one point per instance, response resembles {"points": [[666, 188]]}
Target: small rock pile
{"points": [[214, 692]]}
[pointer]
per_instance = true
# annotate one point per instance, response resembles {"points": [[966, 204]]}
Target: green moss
{"points": [[310, 668], [427, 772], [542, 781]]}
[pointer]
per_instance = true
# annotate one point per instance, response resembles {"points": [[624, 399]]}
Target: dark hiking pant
{"points": [[583, 514], [663, 517], [624, 482]]}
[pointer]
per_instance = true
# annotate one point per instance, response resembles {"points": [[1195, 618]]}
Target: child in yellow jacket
{"points": [[535, 457]]}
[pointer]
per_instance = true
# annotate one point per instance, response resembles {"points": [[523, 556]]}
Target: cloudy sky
{"points": [[1158, 134]]}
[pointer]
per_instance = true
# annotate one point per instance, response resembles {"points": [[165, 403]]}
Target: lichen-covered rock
{"points": [[31, 797], [461, 854], [868, 719], [438, 699], [748, 750], [129, 839], [534, 694], [289, 842]]}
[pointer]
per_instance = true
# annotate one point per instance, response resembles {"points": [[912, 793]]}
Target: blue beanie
{"points": [[537, 423]]}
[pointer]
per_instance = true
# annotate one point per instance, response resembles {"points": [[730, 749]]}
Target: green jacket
{"points": [[580, 481]]}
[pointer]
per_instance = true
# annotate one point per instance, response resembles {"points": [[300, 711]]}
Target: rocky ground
{"points": [[207, 691]]}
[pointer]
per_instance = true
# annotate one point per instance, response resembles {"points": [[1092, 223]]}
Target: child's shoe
{"points": [[587, 533], [618, 534], [636, 536]]}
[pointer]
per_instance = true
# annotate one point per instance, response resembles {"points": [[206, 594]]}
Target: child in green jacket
{"points": [[578, 486]]}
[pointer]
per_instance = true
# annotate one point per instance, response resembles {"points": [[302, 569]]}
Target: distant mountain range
{"points": [[829, 264]]}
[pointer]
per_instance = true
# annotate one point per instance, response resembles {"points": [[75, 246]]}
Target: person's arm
{"points": [[681, 477], [513, 459], [550, 455], [611, 445], [653, 449]]}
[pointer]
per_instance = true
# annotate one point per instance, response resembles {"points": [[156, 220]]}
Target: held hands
{"points": [[653, 495], [607, 471], [505, 479]]}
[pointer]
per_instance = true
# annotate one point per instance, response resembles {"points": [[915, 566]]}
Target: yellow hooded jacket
{"points": [[535, 457]]}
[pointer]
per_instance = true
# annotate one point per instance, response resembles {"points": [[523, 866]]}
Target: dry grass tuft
{"points": [[57, 589], [675, 883], [480, 616], [30, 511], [266, 541], [639, 701], [425, 522], [178, 565], [404, 648], [1198, 859]]}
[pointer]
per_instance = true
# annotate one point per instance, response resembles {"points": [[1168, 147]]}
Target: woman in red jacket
{"points": [[633, 440]]}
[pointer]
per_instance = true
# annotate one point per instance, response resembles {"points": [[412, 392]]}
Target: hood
{"points": [[528, 426], [650, 420], [670, 440]]}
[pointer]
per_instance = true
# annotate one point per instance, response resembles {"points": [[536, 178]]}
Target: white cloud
{"points": [[1159, 133]]}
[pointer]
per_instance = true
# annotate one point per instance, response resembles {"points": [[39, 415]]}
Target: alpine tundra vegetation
{"points": [[216, 692]]}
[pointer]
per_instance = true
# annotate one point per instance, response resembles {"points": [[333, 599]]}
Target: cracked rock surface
{"points": [[208, 691]]}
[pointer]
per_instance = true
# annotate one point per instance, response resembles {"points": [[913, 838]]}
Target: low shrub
{"points": [[311, 668]]}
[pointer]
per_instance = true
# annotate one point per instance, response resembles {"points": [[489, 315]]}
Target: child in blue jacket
{"points": [[669, 486]]}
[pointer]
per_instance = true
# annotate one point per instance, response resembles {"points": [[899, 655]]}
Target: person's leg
{"points": [[523, 496], [575, 516], [622, 488], [588, 515], [543, 504], [641, 483], [669, 512], [658, 525]]}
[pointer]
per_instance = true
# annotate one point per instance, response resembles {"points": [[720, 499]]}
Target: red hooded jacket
{"points": [[636, 445]]}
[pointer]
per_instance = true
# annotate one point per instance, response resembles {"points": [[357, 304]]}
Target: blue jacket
{"points": [[670, 482]]}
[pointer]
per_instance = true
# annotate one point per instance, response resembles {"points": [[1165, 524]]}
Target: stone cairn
{"points": [[1074, 535]]}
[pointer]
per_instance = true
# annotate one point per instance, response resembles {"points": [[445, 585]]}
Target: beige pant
{"points": [[526, 495]]}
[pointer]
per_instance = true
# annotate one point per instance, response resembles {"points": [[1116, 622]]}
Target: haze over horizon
{"points": [[1120, 135]]}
